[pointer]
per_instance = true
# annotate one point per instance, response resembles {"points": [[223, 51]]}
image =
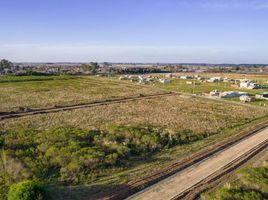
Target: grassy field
{"points": [[82, 152], [200, 121], [179, 85], [63, 91], [4, 79], [174, 113]]}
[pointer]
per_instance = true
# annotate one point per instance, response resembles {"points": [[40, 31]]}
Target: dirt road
{"points": [[180, 182]]}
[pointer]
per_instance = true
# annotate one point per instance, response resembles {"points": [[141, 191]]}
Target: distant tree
{"points": [[91, 68], [106, 64], [5, 65]]}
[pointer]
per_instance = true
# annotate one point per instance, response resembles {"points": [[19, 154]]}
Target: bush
{"points": [[69, 153], [26, 190], [238, 194]]}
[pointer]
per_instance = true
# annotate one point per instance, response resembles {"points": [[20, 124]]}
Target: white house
{"points": [[262, 96], [215, 79], [214, 94], [186, 77], [247, 84], [245, 98], [164, 80]]}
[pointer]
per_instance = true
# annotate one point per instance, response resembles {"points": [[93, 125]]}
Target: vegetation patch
{"points": [[251, 183], [4, 79], [63, 90], [76, 156], [26, 190]]}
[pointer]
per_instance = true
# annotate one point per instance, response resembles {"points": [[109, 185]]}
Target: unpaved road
{"points": [[180, 182]]}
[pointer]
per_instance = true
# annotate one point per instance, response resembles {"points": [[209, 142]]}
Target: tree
{"points": [[5, 65], [26, 190], [91, 68]]}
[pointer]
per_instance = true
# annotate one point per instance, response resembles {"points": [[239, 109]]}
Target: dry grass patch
{"points": [[173, 113], [36, 94]]}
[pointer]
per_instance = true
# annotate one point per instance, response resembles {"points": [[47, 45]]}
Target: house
{"points": [[142, 80], [164, 80], [170, 76], [262, 96], [245, 98], [186, 77], [247, 84], [226, 80], [232, 94], [214, 79], [189, 82], [133, 78], [214, 94], [125, 77]]}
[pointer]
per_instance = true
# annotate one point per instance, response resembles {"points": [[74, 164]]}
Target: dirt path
{"points": [[180, 182]]}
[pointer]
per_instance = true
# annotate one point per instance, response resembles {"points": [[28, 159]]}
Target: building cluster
{"points": [[138, 79], [243, 96], [248, 84]]}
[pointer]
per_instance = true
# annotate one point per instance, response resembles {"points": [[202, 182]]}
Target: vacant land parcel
{"points": [[95, 149], [35, 92], [104, 147]]}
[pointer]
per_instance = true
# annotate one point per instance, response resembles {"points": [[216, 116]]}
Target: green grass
{"points": [[65, 91], [35, 149], [250, 182], [179, 85], [142, 167], [4, 79], [208, 120]]}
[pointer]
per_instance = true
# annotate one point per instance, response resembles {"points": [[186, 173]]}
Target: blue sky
{"points": [[212, 31]]}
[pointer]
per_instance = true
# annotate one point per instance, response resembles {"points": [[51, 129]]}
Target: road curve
{"points": [[184, 180]]}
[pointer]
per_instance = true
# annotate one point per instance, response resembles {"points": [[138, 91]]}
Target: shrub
{"points": [[238, 194], [257, 175], [26, 190]]}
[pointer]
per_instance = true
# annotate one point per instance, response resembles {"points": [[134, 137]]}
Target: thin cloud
{"points": [[230, 4], [131, 53]]}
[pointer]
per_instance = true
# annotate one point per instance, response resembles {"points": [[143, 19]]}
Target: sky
{"points": [[174, 31]]}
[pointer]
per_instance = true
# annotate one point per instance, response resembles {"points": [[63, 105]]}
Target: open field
{"points": [[4, 79], [179, 85], [199, 121], [88, 150], [63, 91], [174, 113]]}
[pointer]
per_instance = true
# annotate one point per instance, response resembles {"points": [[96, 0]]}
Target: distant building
{"points": [[189, 82], [125, 77], [186, 77], [262, 96], [214, 94], [245, 98], [164, 80], [170, 76], [215, 79], [248, 84], [232, 94]]}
